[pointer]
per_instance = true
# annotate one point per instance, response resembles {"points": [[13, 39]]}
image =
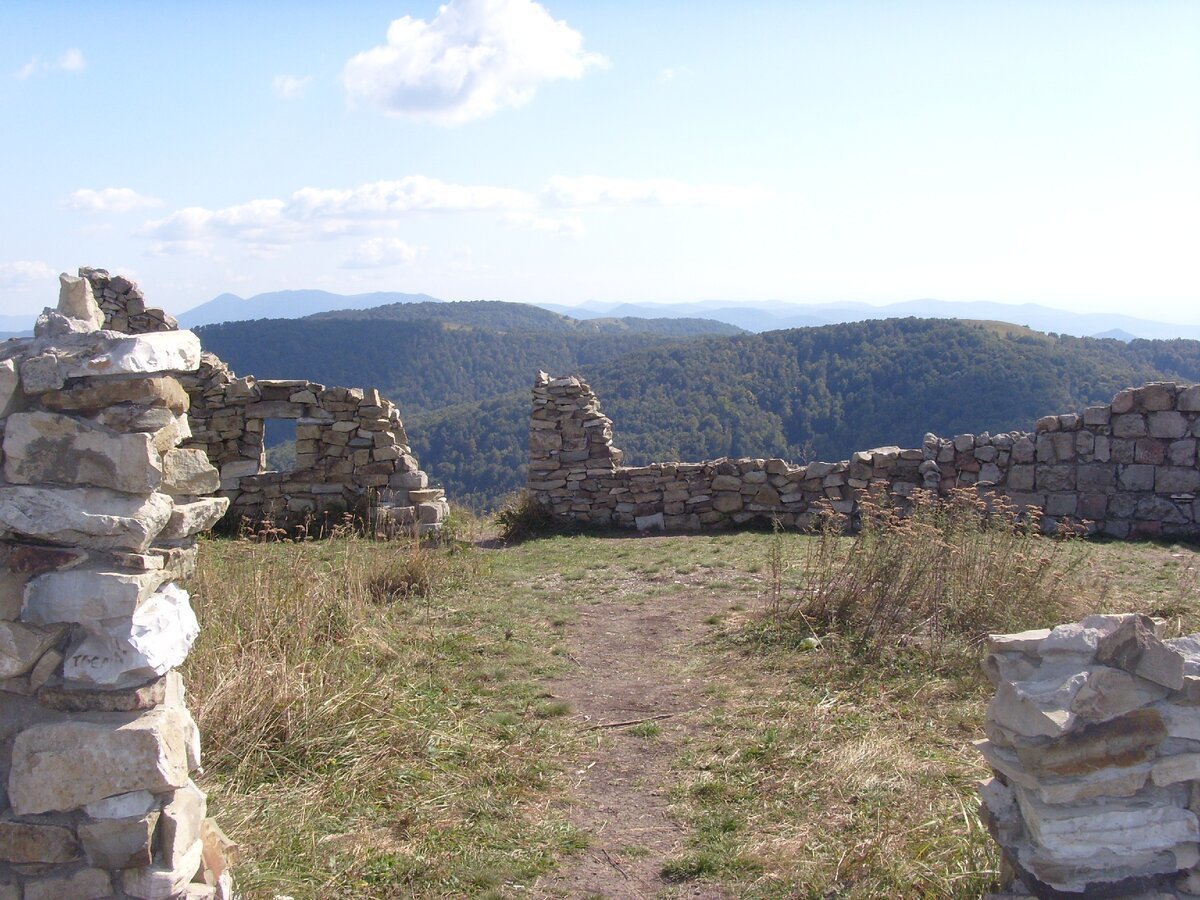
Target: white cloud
{"points": [[473, 59], [110, 200], [290, 87], [598, 190], [314, 213], [568, 226], [25, 272], [382, 252], [72, 60]]}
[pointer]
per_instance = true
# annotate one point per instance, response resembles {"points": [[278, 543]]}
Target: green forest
{"points": [[461, 375]]}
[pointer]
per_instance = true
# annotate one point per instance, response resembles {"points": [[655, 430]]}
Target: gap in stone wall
{"points": [[279, 444]]}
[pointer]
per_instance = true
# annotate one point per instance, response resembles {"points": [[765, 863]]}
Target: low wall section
{"points": [[1128, 468], [351, 450]]}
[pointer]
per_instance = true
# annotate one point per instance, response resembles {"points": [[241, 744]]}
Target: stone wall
{"points": [[1128, 469], [1094, 739], [352, 454], [99, 508]]}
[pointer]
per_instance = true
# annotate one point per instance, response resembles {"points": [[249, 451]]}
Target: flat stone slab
{"points": [[52, 361], [62, 766], [42, 447], [87, 594], [90, 517]]}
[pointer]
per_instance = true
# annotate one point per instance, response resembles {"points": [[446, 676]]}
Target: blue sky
{"points": [[621, 151]]}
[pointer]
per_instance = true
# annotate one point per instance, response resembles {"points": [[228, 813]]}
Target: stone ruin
{"points": [[352, 454], [1127, 469], [1094, 739], [99, 511]]}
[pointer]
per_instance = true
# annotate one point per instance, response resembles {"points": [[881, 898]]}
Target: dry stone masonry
{"points": [[352, 454], [1127, 469], [1094, 738], [99, 509]]}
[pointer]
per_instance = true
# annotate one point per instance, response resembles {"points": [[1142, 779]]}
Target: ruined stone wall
{"points": [[1093, 736], [352, 454], [99, 509], [1129, 469]]}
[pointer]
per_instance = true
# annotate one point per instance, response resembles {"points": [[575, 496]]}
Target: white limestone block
{"points": [[87, 594], [192, 518], [1037, 708], [122, 806], [65, 765], [66, 356], [189, 472], [43, 447], [76, 301], [123, 652], [163, 882], [95, 518], [10, 392]]}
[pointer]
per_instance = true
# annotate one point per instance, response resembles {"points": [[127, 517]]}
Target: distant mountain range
{"points": [[288, 305]]}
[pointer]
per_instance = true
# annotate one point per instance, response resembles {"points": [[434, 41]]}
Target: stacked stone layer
{"points": [[1128, 469], [124, 304], [99, 509], [1094, 738]]}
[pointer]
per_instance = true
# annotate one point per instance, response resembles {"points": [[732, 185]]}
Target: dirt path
{"points": [[636, 659]]}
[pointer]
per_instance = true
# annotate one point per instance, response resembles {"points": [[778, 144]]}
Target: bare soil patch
{"points": [[638, 662]]}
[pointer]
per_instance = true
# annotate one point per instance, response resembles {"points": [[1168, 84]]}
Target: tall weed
{"points": [[937, 575]]}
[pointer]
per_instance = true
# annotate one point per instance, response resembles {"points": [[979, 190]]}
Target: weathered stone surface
{"points": [[1037, 708], [85, 884], [163, 882], [1111, 692], [97, 394], [21, 646], [70, 697], [1135, 648], [189, 472], [41, 447], [10, 391], [65, 765], [87, 594], [194, 517], [89, 517], [1183, 767], [85, 355], [23, 843], [125, 652], [122, 806], [76, 301], [1127, 740], [1106, 782], [182, 822], [119, 843]]}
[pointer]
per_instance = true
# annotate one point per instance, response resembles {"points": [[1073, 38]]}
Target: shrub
{"points": [[939, 574], [521, 517]]}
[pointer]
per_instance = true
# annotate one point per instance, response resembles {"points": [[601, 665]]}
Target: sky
{"points": [[626, 151]]}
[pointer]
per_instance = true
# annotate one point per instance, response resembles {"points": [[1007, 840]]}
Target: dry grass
{"points": [[370, 722]]}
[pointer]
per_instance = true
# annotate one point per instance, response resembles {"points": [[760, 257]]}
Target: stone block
{"points": [[23, 843], [1097, 415], [1136, 478], [41, 447], [94, 518], [87, 594], [119, 843], [11, 399], [647, 523], [1129, 425], [1182, 453], [122, 806], [84, 884], [163, 882], [1126, 740], [1021, 478], [1135, 648], [1176, 480], [85, 355], [182, 823], [1188, 399], [1095, 477], [98, 394], [1150, 451], [727, 502], [62, 766], [195, 517], [1167, 424], [1055, 478], [187, 472], [119, 653], [1157, 395], [21, 646]]}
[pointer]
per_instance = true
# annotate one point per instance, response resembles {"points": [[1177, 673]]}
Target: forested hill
{"points": [[809, 393], [498, 315], [463, 387]]}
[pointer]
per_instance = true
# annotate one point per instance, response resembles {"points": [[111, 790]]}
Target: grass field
{"points": [[376, 719]]}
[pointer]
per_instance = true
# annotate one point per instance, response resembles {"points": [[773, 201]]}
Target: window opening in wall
{"points": [[279, 441]]}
